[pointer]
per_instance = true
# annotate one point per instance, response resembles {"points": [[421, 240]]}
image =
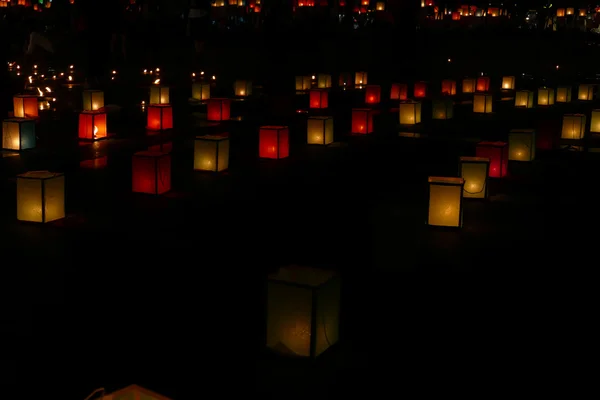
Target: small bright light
{"points": [[449, 60]]}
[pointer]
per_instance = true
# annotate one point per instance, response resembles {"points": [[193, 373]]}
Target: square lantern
{"points": [[595, 122], [218, 109], [372, 94], [362, 121], [159, 95], [200, 91], [360, 79], [319, 130], [442, 109], [449, 87], [508, 83], [524, 99], [483, 84], [582, 12], [560, 12], [521, 145], [346, 80], [151, 172], [445, 201], [303, 83], [93, 100], [563, 94], [475, 172], [211, 153], [482, 103], [573, 126], [410, 113], [570, 11], [242, 88], [545, 96], [586, 92], [25, 106], [497, 152], [40, 196], [92, 125], [319, 98], [399, 91], [303, 311], [324, 81], [420, 90], [274, 142], [160, 117], [468, 85], [18, 134]]}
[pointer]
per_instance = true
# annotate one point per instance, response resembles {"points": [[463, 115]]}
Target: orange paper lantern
{"points": [[319, 98], [160, 117], [274, 142], [25, 106], [219, 109], [362, 121], [483, 84], [151, 172], [92, 125], [449, 87]]}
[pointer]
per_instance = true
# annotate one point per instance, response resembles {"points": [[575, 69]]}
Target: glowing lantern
{"points": [[582, 12], [563, 94], [468, 85], [160, 117], [25, 106], [573, 126], [201, 91], [410, 113], [521, 145], [493, 11], [545, 96], [362, 121], [560, 12], [372, 94], [211, 153], [218, 110], [497, 152], [482, 103], [151, 172], [474, 171], [346, 79], [242, 88], [524, 99], [303, 83], [360, 78], [595, 124], [319, 130], [483, 84], [303, 311], [93, 100], [319, 98], [399, 91], [443, 109], [508, 83], [455, 16], [380, 6], [445, 201], [323, 81], [449, 87], [586, 92], [18, 134], [570, 11], [40, 196], [420, 90], [92, 125], [159, 95], [274, 142]]}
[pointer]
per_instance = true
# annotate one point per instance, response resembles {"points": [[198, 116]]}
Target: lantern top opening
{"points": [[475, 159], [275, 127], [305, 276], [212, 137], [446, 180], [493, 144], [39, 175], [149, 153], [19, 120]]}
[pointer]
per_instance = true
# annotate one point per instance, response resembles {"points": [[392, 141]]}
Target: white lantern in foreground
{"points": [[475, 172], [40, 196], [445, 201], [521, 145]]}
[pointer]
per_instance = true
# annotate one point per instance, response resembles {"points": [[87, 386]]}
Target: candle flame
{"points": [[70, 78], [156, 82], [40, 92], [30, 79], [48, 89], [95, 130]]}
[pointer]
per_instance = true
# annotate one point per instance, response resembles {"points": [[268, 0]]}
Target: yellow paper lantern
{"points": [[586, 92], [475, 172], [545, 96], [563, 94], [449, 87], [524, 99], [521, 145], [442, 109], [360, 79], [482, 103], [40, 196], [595, 123], [242, 88], [560, 12], [200, 91], [573, 126], [18, 134], [508, 83], [582, 12], [303, 311], [445, 201], [570, 11], [211, 153], [303, 83], [93, 100], [410, 112], [319, 130], [380, 6], [324, 81], [468, 85], [159, 95]]}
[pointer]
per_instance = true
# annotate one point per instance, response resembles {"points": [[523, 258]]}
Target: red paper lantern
{"points": [[455, 16], [25, 106], [420, 90], [483, 84], [399, 91], [151, 172], [497, 152], [372, 94], [319, 98], [362, 121], [219, 109], [274, 142], [92, 125], [160, 117]]}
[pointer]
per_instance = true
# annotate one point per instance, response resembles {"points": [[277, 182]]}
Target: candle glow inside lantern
{"points": [[582, 12], [160, 117], [399, 91], [380, 6], [324, 81], [524, 99], [570, 11], [586, 92], [40, 196], [18, 134], [319, 130], [25, 106], [449, 87], [319, 98], [362, 121], [497, 152], [563, 94], [521, 145], [211, 153], [483, 83], [303, 311], [242, 88], [360, 79], [372, 94], [482, 103], [420, 90], [303, 83], [445, 201], [595, 123], [92, 125], [508, 83], [443, 109], [410, 113], [545, 96], [560, 12], [468, 85], [159, 95], [475, 171], [218, 109], [274, 142], [573, 126], [93, 100], [151, 172], [200, 91]]}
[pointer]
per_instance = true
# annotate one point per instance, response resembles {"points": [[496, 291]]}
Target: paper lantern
{"points": [[482, 103], [362, 121], [218, 109], [319, 130], [303, 83], [200, 91], [92, 125], [442, 109], [18, 134], [449, 87], [573, 126], [420, 90], [445, 201], [570, 11], [360, 79], [346, 80], [242, 88], [468, 85], [563, 94], [455, 16], [319, 98], [483, 84], [274, 142], [595, 123], [25, 106], [93, 100], [324, 81], [497, 152], [399, 91], [474, 171], [380, 6], [303, 311], [493, 11], [151, 172], [410, 113], [545, 96], [524, 99], [521, 145], [508, 83], [211, 153], [160, 117], [560, 12], [582, 12], [40, 196], [159, 95], [586, 92], [372, 94]]}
